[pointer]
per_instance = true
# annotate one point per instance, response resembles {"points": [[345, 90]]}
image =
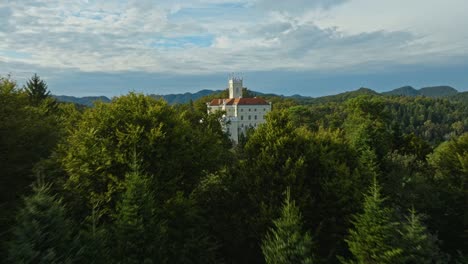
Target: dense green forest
{"points": [[355, 178]]}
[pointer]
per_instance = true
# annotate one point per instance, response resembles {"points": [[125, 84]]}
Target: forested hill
{"points": [[185, 97], [358, 177], [434, 91], [87, 100]]}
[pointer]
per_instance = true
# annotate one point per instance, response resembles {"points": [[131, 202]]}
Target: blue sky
{"points": [[308, 47]]}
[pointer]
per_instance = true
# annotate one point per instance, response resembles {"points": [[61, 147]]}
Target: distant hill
{"points": [[434, 91], [405, 91], [460, 97], [185, 97], [338, 98], [170, 98], [438, 91], [87, 100]]}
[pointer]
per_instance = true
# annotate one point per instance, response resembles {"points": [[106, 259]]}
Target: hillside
{"points": [[433, 91], [338, 98], [87, 100], [185, 97], [438, 91], [405, 91]]}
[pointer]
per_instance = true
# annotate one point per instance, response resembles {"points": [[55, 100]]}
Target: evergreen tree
{"points": [[136, 240], [27, 135], [36, 90], [461, 259], [419, 245], [94, 240], [42, 234], [450, 217], [374, 236], [286, 242]]}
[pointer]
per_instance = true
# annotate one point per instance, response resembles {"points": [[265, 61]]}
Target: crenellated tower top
{"points": [[235, 87]]}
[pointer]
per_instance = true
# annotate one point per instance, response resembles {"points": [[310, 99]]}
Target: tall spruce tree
{"points": [[137, 241], [419, 245], [43, 234], [374, 236], [36, 90], [286, 242]]}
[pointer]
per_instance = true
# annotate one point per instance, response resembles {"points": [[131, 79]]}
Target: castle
{"points": [[240, 113]]}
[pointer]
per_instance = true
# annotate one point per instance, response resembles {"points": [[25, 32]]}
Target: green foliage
{"points": [[450, 162], [368, 125], [174, 150], [43, 233], [373, 239], [318, 167], [286, 242], [28, 133], [193, 197], [187, 239]]}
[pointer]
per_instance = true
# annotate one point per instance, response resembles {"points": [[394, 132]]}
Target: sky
{"points": [[307, 47]]}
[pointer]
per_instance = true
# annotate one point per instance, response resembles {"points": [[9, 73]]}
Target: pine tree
{"points": [[419, 245], [36, 90], [374, 236], [42, 234], [286, 242]]}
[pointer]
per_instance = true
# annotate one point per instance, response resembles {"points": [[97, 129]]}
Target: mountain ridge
{"points": [[430, 91]]}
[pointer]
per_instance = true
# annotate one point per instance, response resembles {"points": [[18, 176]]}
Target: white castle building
{"points": [[241, 113]]}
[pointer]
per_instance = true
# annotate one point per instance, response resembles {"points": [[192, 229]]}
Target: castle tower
{"points": [[235, 87]]}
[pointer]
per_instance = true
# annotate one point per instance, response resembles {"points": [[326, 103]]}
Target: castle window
{"points": [[249, 117], [255, 117], [242, 110], [242, 117], [255, 109], [249, 109]]}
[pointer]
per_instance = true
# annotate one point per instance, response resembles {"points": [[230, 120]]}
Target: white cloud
{"points": [[112, 36]]}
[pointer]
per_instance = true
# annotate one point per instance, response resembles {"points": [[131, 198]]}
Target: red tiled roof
{"points": [[239, 101], [216, 102]]}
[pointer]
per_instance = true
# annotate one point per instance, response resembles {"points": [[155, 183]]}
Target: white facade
{"points": [[240, 113]]}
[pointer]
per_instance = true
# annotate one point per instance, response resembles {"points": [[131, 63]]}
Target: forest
{"points": [[360, 178]]}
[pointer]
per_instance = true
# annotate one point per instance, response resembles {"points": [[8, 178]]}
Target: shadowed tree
{"points": [[137, 240], [286, 242], [43, 234], [27, 135], [419, 245], [450, 217], [373, 239]]}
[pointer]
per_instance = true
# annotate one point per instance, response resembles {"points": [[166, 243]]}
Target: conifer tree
{"points": [[286, 242], [42, 234], [419, 245], [374, 236], [136, 239], [36, 90], [94, 240]]}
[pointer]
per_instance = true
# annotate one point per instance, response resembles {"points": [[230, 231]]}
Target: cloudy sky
{"points": [[308, 47]]}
